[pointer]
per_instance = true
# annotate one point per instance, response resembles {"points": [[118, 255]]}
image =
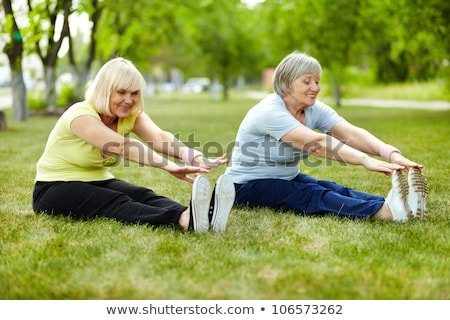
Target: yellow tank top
{"points": [[67, 157]]}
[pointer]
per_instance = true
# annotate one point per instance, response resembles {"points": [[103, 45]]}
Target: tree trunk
{"points": [[336, 89], [19, 97], [14, 51], [50, 88], [51, 49], [81, 71], [3, 125], [225, 83]]}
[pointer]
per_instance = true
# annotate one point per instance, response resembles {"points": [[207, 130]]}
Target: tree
{"points": [[329, 30], [380, 24], [79, 69], [121, 33], [42, 19], [14, 51], [423, 37], [339, 49], [401, 39], [225, 40]]}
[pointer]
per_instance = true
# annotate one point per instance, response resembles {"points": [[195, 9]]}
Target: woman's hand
{"points": [[397, 158], [182, 172], [208, 163], [376, 165]]}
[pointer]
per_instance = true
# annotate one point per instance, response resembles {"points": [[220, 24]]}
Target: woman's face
{"points": [[122, 101], [305, 89]]}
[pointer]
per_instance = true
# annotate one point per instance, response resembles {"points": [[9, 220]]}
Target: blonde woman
{"points": [[73, 175]]}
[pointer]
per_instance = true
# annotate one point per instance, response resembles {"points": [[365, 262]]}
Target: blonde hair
{"points": [[117, 73], [292, 67]]}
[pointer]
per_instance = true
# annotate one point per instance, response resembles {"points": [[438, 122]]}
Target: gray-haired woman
{"points": [[291, 123]]}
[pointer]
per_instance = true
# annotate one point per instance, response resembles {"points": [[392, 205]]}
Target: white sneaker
{"points": [[418, 191], [199, 206], [222, 202], [397, 199]]}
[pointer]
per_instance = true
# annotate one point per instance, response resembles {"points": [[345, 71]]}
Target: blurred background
{"points": [[50, 50]]}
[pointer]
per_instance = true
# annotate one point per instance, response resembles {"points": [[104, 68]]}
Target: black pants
{"points": [[113, 198]]}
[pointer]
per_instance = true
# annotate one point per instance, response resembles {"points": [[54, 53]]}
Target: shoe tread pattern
{"points": [[400, 184], [419, 188]]}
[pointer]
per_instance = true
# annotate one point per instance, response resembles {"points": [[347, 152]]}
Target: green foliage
{"points": [[264, 254], [66, 96], [391, 41], [416, 91], [226, 39], [36, 101], [7, 26]]}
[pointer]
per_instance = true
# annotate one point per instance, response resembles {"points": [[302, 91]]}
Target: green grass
{"points": [[437, 90], [263, 254]]}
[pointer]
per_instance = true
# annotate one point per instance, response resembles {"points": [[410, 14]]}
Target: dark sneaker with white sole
{"points": [[418, 191], [200, 204], [221, 203]]}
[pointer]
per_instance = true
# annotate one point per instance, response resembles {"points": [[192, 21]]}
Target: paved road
{"points": [[428, 105], [6, 102], [5, 98]]}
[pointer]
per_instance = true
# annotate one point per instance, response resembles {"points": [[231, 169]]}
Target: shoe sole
{"points": [[399, 197], [404, 192], [418, 191], [224, 194], [200, 201]]}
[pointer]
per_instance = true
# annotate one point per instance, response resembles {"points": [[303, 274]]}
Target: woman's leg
{"points": [[307, 195], [143, 195], [86, 200], [148, 197]]}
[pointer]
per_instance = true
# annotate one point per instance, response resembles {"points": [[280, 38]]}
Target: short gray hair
{"points": [[292, 67]]}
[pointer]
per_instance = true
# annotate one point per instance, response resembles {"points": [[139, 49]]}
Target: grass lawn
{"points": [[263, 254]]}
